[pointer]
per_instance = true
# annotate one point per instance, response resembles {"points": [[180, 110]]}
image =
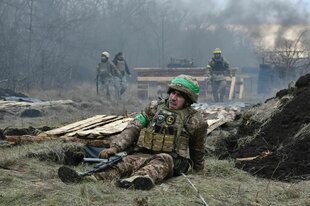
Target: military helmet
{"points": [[217, 51], [106, 54], [187, 85]]}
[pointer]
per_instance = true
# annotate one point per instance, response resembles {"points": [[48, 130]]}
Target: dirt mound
{"points": [[280, 128]]}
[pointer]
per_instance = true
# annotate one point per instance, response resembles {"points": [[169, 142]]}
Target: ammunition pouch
{"points": [[103, 75], [164, 133], [156, 142]]}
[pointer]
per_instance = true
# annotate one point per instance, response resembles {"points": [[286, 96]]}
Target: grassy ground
{"points": [[86, 104], [30, 181]]}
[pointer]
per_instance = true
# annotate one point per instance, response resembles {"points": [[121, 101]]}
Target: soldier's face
{"points": [[120, 57], [104, 58], [217, 56], [176, 100]]}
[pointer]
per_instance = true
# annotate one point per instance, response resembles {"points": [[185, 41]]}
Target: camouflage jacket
{"points": [[107, 69], [195, 129], [122, 66]]}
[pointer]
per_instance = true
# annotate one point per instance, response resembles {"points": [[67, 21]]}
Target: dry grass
{"points": [[86, 104], [29, 181]]}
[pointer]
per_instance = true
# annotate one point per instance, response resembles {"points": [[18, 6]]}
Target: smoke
{"points": [[265, 22], [267, 19], [261, 12]]}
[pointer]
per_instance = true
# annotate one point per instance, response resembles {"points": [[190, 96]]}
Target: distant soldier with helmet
{"points": [[219, 70], [108, 75], [167, 138], [122, 66]]}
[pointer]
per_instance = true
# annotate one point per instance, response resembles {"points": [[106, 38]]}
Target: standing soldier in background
{"points": [[108, 75], [122, 66], [219, 70]]}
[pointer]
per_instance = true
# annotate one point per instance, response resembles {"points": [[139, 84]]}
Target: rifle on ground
{"points": [[69, 175]]}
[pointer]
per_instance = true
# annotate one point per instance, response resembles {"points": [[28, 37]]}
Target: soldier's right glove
{"points": [[105, 153]]}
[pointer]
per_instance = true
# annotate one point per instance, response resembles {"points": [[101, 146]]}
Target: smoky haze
{"points": [[54, 43]]}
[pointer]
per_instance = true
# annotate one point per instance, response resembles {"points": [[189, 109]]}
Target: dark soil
{"points": [[286, 134]]}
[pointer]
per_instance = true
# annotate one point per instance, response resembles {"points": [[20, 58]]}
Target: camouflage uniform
{"points": [[219, 69], [156, 163], [109, 77], [167, 138], [122, 66]]}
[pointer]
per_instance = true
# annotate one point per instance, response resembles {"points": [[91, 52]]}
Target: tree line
{"points": [[54, 43]]}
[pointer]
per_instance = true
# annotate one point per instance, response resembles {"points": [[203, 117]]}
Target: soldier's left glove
{"points": [[105, 153]]}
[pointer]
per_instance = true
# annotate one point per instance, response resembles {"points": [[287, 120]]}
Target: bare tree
{"points": [[292, 57], [54, 43]]}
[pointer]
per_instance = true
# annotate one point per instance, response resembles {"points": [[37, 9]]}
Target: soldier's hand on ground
{"points": [[105, 153]]}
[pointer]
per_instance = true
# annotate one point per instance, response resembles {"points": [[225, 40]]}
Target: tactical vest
{"points": [[165, 132], [121, 66], [103, 70], [218, 66]]}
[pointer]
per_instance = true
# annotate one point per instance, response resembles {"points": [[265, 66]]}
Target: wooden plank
{"points": [[247, 158], [11, 104], [74, 133], [215, 123], [232, 87], [164, 79], [262, 155], [107, 129], [241, 88], [148, 70], [92, 124], [27, 104], [16, 140], [73, 126]]}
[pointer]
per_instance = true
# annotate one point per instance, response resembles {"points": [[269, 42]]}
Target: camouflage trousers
{"points": [[157, 166], [218, 90], [110, 85], [123, 85]]}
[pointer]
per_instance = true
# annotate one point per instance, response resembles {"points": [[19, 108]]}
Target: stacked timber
{"points": [[103, 126], [100, 129], [97, 127]]}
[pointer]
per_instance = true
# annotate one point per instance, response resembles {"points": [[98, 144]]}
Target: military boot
{"points": [[68, 175], [73, 157], [136, 182]]}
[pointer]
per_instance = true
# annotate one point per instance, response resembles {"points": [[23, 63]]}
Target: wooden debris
{"points": [[17, 140], [241, 90], [105, 130], [91, 142], [90, 127], [93, 121], [215, 123], [232, 87], [97, 130], [14, 104], [262, 155]]}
